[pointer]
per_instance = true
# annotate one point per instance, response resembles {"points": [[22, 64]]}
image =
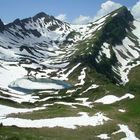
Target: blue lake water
{"points": [[14, 85]]}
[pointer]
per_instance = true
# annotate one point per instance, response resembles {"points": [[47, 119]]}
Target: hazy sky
{"points": [[70, 9]]}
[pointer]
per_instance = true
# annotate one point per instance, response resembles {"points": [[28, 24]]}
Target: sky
{"points": [[74, 11]]}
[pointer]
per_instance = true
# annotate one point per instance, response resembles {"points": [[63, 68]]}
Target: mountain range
{"points": [[50, 69]]}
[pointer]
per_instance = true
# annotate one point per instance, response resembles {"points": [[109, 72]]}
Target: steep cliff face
{"points": [[108, 48], [1, 26]]}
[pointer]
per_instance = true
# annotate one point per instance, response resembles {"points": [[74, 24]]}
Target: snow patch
{"points": [[106, 50], [6, 110], [65, 122], [103, 136], [65, 76], [93, 86], [81, 77], [83, 101], [122, 110], [110, 99], [129, 134]]}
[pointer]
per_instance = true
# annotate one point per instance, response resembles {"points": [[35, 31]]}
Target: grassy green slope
{"points": [[131, 117]]}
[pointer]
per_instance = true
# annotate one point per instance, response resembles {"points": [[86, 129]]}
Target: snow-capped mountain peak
{"points": [[42, 42], [1, 25]]}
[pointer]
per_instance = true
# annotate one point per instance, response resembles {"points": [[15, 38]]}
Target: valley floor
{"points": [[102, 111]]}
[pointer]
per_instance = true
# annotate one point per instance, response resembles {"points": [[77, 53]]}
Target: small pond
{"points": [[29, 85]]}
